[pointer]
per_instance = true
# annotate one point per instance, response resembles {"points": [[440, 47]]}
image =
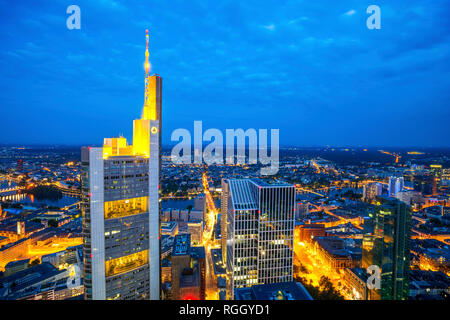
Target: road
{"points": [[211, 282], [316, 268], [208, 241]]}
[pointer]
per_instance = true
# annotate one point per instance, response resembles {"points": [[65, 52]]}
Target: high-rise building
{"points": [[195, 229], [120, 207], [19, 165], [436, 172], [200, 204], [223, 219], [259, 232], [445, 177], [181, 260], [188, 270], [307, 232], [396, 185], [301, 210], [424, 183], [371, 191], [410, 197], [386, 244]]}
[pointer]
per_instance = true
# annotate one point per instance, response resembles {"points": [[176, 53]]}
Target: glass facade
{"points": [[386, 244], [126, 263], [120, 208], [276, 234], [116, 214], [126, 207], [260, 232]]}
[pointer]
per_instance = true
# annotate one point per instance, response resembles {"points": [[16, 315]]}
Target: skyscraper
{"points": [[120, 185], [372, 190], [19, 165], [386, 244], [396, 185], [436, 172], [188, 269], [224, 219], [260, 232]]}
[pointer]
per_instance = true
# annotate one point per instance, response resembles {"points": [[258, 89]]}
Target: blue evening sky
{"points": [[308, 67]]}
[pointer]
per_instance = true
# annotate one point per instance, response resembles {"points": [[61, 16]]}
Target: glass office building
{"points": [[386, 243], [259, 232]]}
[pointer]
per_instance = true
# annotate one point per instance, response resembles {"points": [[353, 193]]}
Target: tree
{"points": [[303, 269], [45, 192], [328, 292], [351, 195], [53, 223], [325, 290]]}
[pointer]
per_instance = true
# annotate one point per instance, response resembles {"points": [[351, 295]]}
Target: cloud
{"points": [[295, 21], [270, 27], [350, 13], [322, 63]]}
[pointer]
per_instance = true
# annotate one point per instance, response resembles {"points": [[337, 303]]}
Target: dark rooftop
{"points": [[274, 291], [181, 244]]}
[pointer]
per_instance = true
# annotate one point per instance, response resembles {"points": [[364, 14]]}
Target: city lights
{"points": [[298, 150]]}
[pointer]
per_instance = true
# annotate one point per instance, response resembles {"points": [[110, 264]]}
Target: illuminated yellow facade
{"points": [[116, 147], [141, 137], [126, 263], [149, 112], [124, 208], [141, 127]]}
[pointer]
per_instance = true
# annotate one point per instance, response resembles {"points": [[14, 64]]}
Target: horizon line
{"points": [[284, 146]]}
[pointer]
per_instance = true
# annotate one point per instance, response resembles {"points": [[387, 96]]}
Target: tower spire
{"points": [[147, 111], [147, 63]]}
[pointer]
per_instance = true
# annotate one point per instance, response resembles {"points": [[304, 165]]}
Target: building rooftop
{"points": [[271, 183], [198, 252], [189, 278], [423, 279], [181, 244], [168, 226], [166, 263], [242, 195], [274, 291], [219, 267], [17, 263], [29, 277]]}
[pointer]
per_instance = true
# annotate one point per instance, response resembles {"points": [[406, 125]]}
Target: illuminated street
{"points": [[315, 268], [208, 241]]}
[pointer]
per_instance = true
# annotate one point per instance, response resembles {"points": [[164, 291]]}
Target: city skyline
{"points": [[296, 151], [339, 83]]}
